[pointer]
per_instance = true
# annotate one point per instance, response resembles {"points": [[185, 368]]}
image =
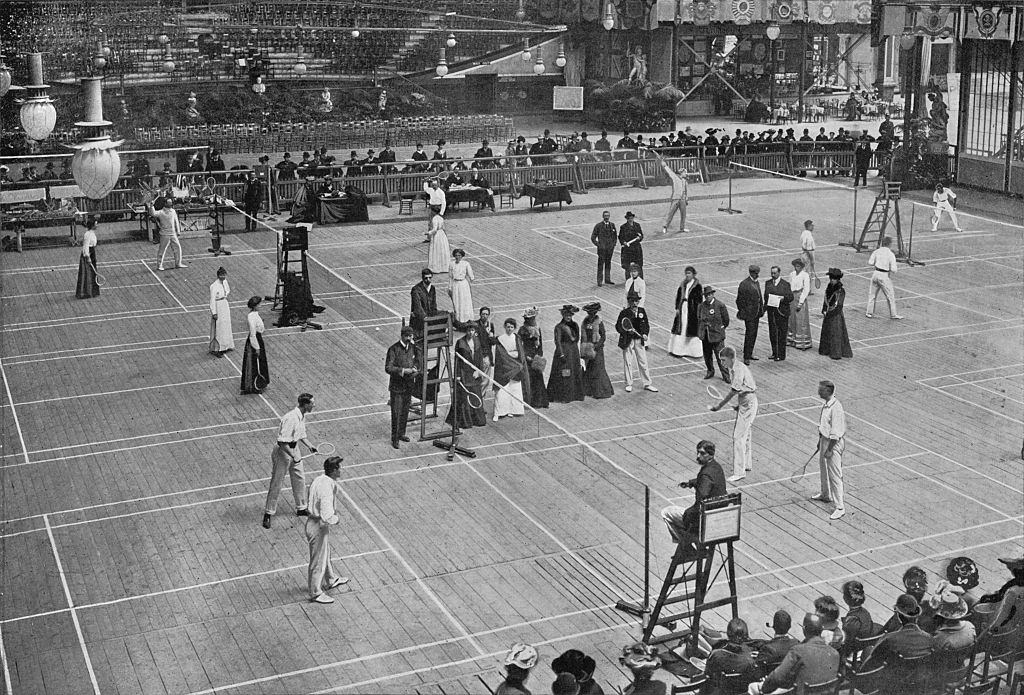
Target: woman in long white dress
{"points": [[799, 315], [684, 341], [440, 252], [509, 371], [460, 274], [221, 340], [635, 283]]}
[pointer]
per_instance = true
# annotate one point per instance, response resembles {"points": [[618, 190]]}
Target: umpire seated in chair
{"points": [[684, 524]]}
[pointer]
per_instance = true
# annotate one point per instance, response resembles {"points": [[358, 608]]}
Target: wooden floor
{"points": [[134, 474]]}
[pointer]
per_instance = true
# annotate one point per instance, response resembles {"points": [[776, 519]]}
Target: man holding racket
{"points": [[634, 328], [402, 365], [285, 459], [322, 575], [831, 444], [744, 388], [712, 320]]}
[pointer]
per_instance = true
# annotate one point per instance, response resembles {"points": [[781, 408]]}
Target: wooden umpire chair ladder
{"points": [[437, 339], [693, 573], [885, 215]]}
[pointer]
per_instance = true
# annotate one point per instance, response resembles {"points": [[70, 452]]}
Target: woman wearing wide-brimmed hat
{"points": [[834, 341], [533, 349], [596, 383], [565, 383], [953, 633], [799, 317]]}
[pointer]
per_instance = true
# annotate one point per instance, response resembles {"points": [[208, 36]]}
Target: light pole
{"points": [[772, 32]]}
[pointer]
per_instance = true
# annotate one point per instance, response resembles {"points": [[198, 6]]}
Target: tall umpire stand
{"points": [[292, 294], [884, 220], [697, 575]]}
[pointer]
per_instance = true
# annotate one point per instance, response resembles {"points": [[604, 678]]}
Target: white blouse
{"points": [[459, 271], [509, 343], [88, 241], [219, 291], [800, 283], [640, 286], [255, 326]]}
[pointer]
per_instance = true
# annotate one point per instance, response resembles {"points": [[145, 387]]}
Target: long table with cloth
{"points": [[544, 193], [311, 206], [466, 194]]}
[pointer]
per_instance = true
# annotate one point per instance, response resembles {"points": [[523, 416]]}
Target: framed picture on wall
{"points": [[780, 55]]}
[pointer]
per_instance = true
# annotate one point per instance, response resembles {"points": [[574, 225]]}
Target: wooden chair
{"points": [[828, 688], [865, 682], [860, 644], [405, 205], [1002, 650], [989, 686], [691, 687]]}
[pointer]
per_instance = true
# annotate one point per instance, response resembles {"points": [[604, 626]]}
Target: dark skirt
{"points": [[538, 397], [835, 341], [467, 415], [566, 389], [250, 362], [87, 286], [596, 383]]}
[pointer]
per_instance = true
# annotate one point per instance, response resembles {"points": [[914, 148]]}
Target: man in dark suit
{"points": [[908, 642], [778, 312], [710, 482], [386, 157], [604, 237], [771, 653], [418, 156], [484, 152], [808, 663], [712, 320], [631, 237], [424, 302], [633, 342], [749, 310], [253, 198], [402, 365]]}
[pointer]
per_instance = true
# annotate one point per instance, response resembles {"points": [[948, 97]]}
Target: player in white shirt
{"points": [[807, 251], [883, 260], [944, 199]]}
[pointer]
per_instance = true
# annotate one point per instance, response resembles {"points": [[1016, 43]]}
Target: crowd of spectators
{"points": [[935, 638]]}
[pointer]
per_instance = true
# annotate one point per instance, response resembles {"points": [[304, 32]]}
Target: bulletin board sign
{"points": [[567, 99]]}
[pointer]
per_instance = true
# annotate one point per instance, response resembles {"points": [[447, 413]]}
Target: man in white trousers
{"points": [[944, 199], [322, 576], [883, 260], [680, 194], [807, 248], [831, 444], [744, 388]]}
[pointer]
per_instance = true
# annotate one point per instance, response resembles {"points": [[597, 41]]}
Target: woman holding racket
{"points": [[596, 383], [221, 339], [88, 285], [468, 402], [835, 341], [799, 335], [565, 383], [743, 387], [510, 380], [255, 372]]}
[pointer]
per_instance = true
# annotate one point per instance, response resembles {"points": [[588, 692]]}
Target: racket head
{"points": [[100, 280], [261, 382], [326, 449], [475, 400], [626, 324], [714, 392]]}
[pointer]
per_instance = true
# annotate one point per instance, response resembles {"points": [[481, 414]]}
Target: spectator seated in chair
{"points": [[954, 636], [771, 652], [734, 657], [809, 663], [518, 662], [581, 667], [857, 623], [899, 648], [1009, 599], [831, 631], [642, 661], [915, 580]]}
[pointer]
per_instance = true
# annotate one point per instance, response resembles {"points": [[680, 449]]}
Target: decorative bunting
{"points": [[742, 11], [826, 12], [862, 11], [934, 21], [987, 20]]}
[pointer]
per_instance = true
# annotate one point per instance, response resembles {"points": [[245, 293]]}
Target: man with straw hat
{"points": [[953, 632]]}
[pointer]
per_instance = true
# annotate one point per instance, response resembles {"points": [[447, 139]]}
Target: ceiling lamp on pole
{"points": [[560, 60], [163, 39], [300, 64], [450, 42], [355, 31], [608, 22], [38, 116], [526, 55], [96, 164], [442, 64], [538, 67], [168, 64]]}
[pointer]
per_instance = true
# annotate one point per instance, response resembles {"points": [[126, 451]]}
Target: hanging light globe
{"points": [[168, 64], [442, 64], [163, 39], [96, 164], [609, 21], [520, 14], [38, 115], [538, 67], [560, 60], [450, 42], [300, 67], [526, 55], [355, 33], [5, 79], [106, 51]]}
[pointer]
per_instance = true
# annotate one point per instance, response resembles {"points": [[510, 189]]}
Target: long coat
{"points": [[692, 304], [714, 319], [634, 253]]}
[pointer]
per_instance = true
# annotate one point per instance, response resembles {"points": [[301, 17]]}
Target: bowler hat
{"points": [[907, 606], [708, 289]]}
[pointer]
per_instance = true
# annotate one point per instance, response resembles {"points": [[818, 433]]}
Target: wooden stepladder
{"points": [[436, 349], [884, 216], [693, 573]]}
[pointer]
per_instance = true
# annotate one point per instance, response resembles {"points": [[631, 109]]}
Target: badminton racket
{"points": [[474, 400], [803, 469], [214, 345], [100, 280], [261, 381], [817, 282], [627, 327], [323, 449], [715, 393]]}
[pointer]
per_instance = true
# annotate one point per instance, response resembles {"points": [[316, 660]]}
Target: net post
{"points": [[730, 209], [647, 552]]}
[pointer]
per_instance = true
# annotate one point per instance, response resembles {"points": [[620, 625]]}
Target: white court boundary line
{"points": [[64, 292], [153, 273], [944, 392], [71, 607], [99, 394], [24, 451]]}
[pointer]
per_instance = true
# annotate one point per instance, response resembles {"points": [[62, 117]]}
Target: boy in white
{"points": [[943, 198], [883, 260]]}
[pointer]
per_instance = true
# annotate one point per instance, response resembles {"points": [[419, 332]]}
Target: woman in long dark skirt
{"points": [[565, 383], [254, 359], [596, 383], [87, 286], [533, 348], [471, 375], [835, 341]]}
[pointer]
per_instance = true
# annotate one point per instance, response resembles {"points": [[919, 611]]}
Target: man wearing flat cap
{"points": [[908, 642], [712, 320], [402, 366], [631, 236], [749, 310], [632, 342], [424, 302]]}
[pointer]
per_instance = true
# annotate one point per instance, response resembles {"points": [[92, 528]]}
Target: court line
{"points": [[944, 392], [105, 287], [24, 450], [71, 607], [113, 393], [8, 688], [935, 330], [262, 396], [511, 258], [984, 370], [960, 334], [402, 650], [926, 476], [183, 307], [397, 264], [14, 411], [977, 385], [353, 286]]}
